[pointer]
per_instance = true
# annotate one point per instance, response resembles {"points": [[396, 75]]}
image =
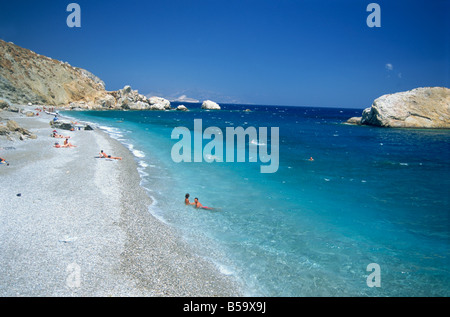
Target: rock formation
{"points": [[158, 103], [27, 77], [182, 108], [418, 108], [13, 129], [211, 105], [354, 120]]}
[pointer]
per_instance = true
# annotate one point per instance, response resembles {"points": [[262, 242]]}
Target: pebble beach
{"points": [[74, 224]]}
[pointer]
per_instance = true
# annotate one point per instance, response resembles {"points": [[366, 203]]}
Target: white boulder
{"points": [[158, 103], [427, 107], [211, 105], [182, 108], [138, 105]]}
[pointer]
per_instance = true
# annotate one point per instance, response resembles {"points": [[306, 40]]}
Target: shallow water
{"points": [[371, 195]]}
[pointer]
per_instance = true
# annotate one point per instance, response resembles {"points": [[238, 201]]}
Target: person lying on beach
{"points": [[104, 155], [114, 157], [3, 161], [186, 200], [56, 135], [197, 204], [57, 145]]}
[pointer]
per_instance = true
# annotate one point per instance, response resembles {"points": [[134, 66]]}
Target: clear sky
{"points": [[277, 52]]}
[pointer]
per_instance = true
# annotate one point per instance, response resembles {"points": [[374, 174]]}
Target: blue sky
{"points": [[278, 52]]}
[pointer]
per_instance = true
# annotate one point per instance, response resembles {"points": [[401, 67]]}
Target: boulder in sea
{"points": [[427, 107], [158, 103], [182, 108], [211, 105], [354, 120]]}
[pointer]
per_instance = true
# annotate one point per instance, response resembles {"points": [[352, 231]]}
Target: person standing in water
{"points": [[186, 200]]}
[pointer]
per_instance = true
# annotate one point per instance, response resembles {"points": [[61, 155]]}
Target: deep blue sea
{"points": [[371, 195]]}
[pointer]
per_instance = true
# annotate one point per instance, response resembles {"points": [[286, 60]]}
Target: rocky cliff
{"points": [[427, 107], [27, 77]]}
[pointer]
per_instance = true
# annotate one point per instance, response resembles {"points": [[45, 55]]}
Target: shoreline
{"points": [[91, 214]]}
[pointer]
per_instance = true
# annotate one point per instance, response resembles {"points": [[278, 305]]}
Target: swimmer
{"points": [[186, 200], [197, 204]]}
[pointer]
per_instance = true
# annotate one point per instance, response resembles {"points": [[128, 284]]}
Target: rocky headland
{"points": [[427, 107], [27, 77], [30, 78]]}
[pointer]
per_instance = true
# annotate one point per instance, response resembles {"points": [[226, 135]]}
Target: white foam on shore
{"points": [[143, 164], [224, 269], [138, 153], [115, 133]]}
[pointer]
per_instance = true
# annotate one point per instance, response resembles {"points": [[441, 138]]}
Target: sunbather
{"points": [[3, 161], [57, 145], [104, 155], [56, 135], [68, 144]]}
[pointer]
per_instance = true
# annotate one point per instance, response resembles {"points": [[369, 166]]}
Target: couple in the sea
{"points": [[196, 203]]}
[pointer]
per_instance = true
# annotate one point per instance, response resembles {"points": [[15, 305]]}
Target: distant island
{"points": [[184, 98]]}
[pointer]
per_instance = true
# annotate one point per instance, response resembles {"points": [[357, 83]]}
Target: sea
{"points": [[350, 211]]}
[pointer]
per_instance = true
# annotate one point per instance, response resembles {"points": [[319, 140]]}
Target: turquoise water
{"points": [[371, 195]]}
